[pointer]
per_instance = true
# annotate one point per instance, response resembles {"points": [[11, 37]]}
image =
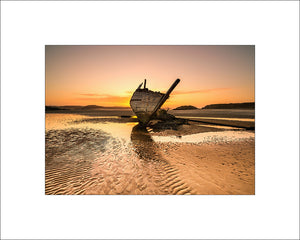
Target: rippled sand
{"points": [[98, 155]]}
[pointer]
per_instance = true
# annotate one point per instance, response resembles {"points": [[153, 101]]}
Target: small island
{"points": [[186, 107], [91, 107], [246, 105]]}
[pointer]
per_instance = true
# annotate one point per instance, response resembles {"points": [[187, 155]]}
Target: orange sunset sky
{"points": [[108, 75]]}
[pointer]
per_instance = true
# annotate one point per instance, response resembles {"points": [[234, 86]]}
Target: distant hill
{"points": [[90, 107], [81, 108], [186, 107], [51, 108], [246, 105]]}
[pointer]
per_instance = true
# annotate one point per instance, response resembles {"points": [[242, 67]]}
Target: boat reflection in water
{"points": [[143, 144]]}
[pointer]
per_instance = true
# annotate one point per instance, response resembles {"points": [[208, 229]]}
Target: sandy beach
{"points": [[97, 154]]}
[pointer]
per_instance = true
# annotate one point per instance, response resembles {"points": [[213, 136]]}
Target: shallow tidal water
{"points": [[98, 155]]}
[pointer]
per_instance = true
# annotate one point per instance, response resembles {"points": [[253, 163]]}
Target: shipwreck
{"points": [[145, 103]]}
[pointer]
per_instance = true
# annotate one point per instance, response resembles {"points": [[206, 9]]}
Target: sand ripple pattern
{"points": [[90, 161]]}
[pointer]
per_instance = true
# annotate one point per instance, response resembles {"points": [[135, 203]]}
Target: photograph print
{"points": [[150, 120]]}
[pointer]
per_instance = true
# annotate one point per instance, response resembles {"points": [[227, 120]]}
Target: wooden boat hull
{"points": [[145, 103]]}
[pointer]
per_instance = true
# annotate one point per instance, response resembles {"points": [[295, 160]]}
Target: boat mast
{"points": [[164, 97]]}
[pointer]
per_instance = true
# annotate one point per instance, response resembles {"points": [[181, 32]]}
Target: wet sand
{"points": [[218, 113], [223, 168], [111, 155]]}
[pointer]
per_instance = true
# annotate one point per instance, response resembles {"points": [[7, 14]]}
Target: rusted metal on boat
{"points": [[145, 103]]}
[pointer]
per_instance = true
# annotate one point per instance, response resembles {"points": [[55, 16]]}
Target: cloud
{"points": [[199, 91], [90, 94], [103, 98]]}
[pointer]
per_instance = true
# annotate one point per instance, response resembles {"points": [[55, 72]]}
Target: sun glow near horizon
{"points": [[108, 75]]}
